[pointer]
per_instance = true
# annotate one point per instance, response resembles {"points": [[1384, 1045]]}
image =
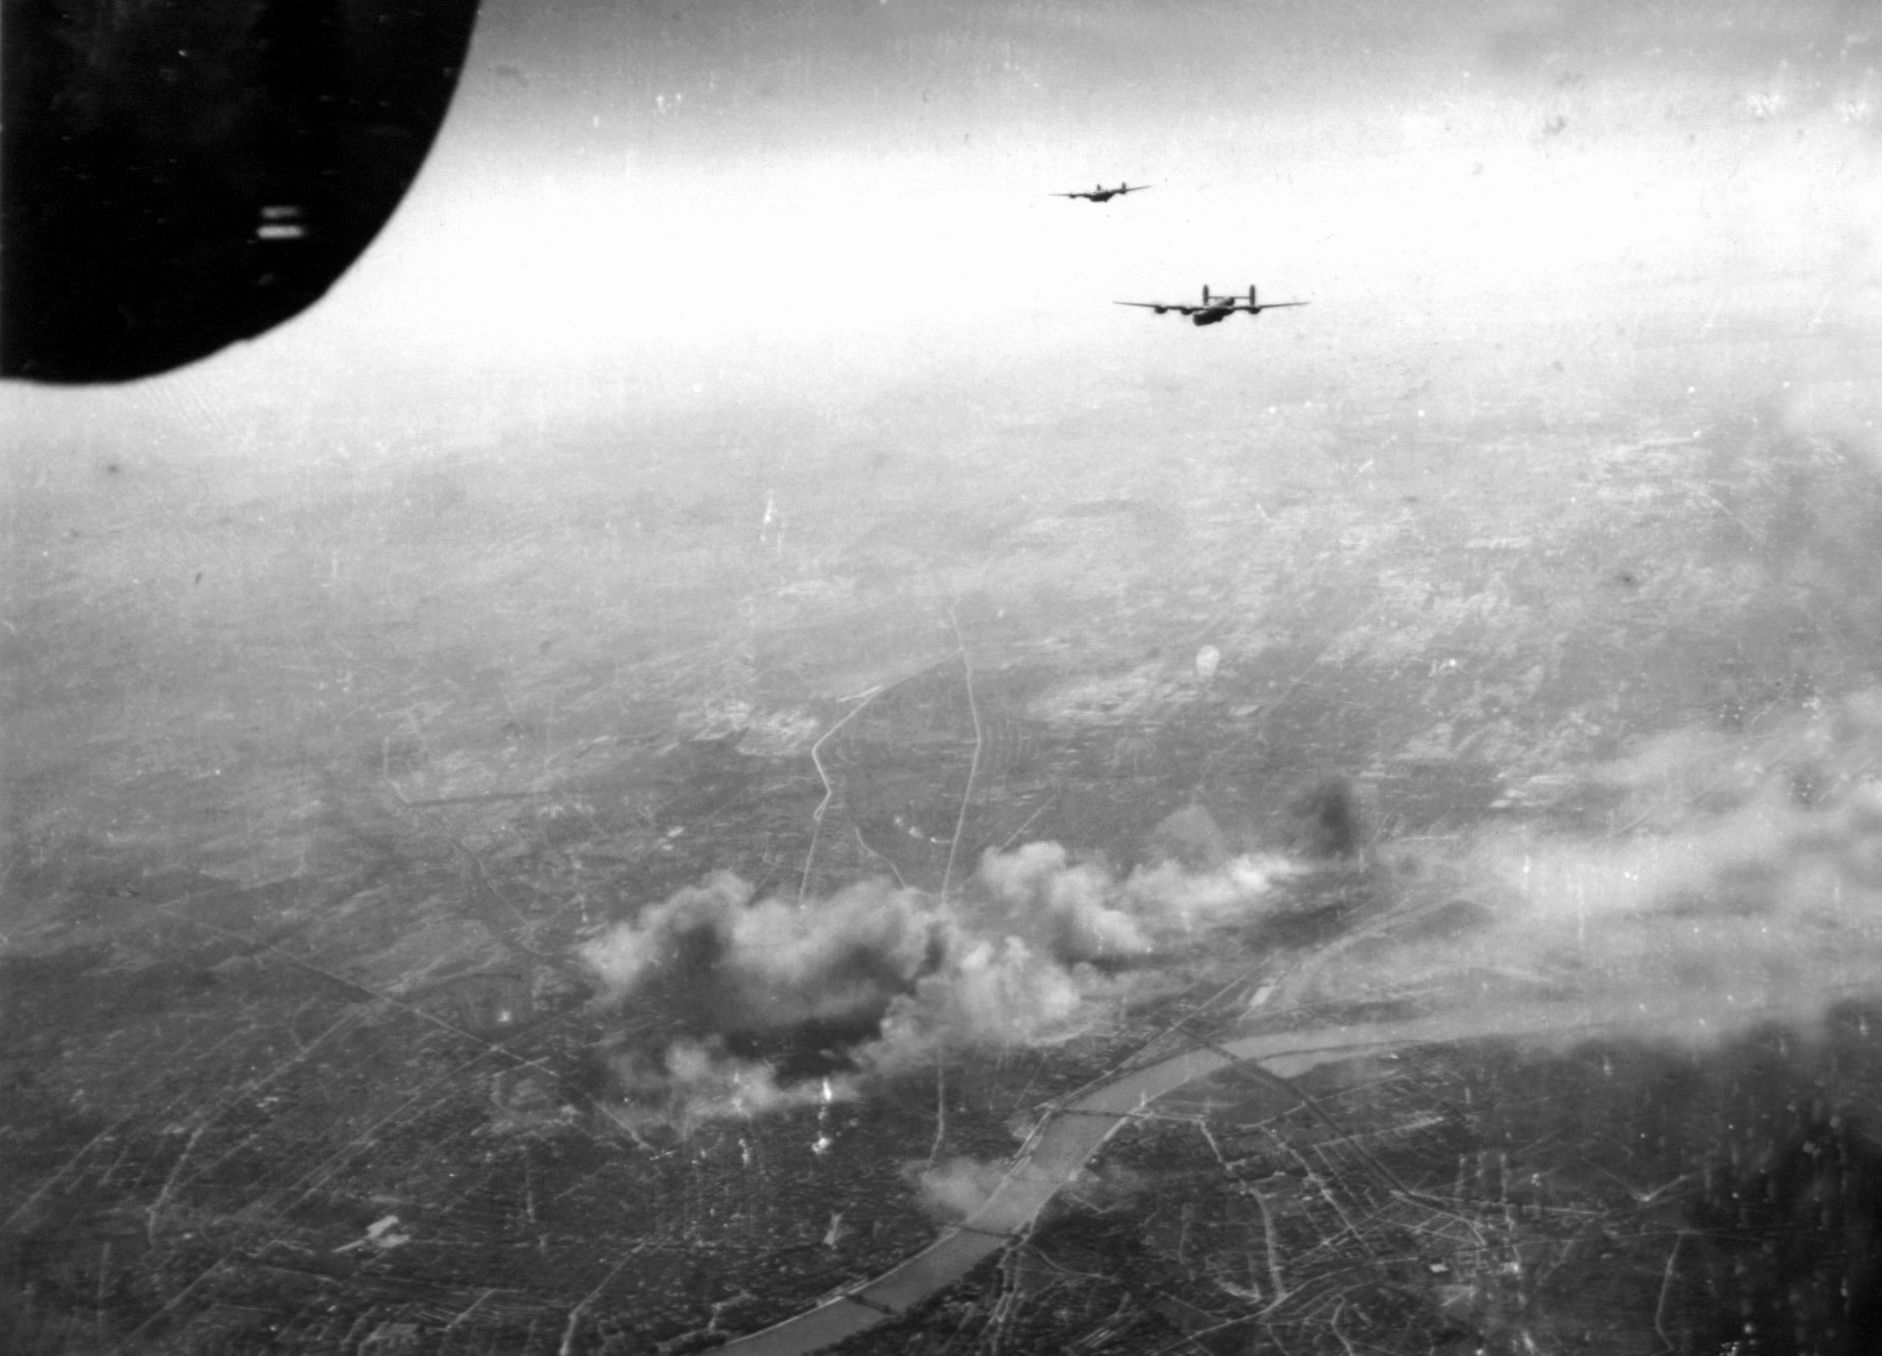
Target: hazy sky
{"points": [[617, 174], [812, 197]]}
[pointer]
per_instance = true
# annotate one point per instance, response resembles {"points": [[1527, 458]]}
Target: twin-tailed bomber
{"points": [[1103, 194], [1214, 309]]}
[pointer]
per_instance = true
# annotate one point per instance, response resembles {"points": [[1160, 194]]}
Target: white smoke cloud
{"points": [[1019, 958], [773, 962], [1739, 875], [956, 1187], [1088, 915], [1742, 876], [623, 956], [989, 992], [960, 1188], [1077, 906]]}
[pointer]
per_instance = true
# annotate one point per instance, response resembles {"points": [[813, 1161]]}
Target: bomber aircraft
{"points": [[1214, 309], [1103, 194]]}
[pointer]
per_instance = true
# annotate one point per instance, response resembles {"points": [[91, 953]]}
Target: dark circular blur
{"points": [[183, 177]]}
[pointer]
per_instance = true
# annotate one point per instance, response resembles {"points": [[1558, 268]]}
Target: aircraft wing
{"points": [[1160, 306]]}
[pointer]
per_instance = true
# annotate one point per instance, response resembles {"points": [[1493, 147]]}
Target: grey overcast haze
{"points": [[716, 747]]}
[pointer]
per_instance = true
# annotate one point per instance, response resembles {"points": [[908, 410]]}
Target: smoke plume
{"points": [[1739, 874], [956, 1187], [763, 997]]}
